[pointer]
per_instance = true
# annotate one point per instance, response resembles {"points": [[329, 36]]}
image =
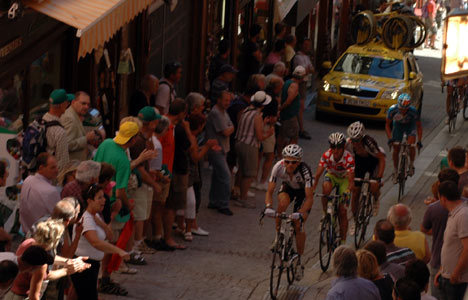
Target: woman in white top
{"points": [[93, 245]]}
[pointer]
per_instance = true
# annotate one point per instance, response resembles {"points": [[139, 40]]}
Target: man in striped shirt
{"points": [[385, 232]]}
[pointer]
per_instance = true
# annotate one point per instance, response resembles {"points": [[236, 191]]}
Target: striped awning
{"points": [[96, 20]]}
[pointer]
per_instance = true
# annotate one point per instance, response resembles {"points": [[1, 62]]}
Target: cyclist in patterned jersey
{"points": [[339, 166], [368, 157], [296, 185], [405, 119]]}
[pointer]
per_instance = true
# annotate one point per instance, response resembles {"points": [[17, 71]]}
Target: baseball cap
{"points": [[261, 97], [126, 131], [148, 114], [227, 68], [299, 71], [59, 96]]}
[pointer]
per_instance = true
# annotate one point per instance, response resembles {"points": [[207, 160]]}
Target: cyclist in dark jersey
{"points": [[296, 185], [368, 157]]}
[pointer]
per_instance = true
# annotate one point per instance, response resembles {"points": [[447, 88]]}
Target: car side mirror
{"points": [[412, 75], [327, 65]]}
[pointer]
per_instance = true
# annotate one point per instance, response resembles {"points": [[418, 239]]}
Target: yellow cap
{"points": [[126, 131]]}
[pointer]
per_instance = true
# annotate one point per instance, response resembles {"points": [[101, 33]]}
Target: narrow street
{"points": [[233, 261]]}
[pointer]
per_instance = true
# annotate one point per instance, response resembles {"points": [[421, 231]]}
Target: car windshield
{"points": [[374, 66]]}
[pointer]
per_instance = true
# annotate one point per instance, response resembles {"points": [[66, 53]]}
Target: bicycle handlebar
{"points": [[366, 180]]}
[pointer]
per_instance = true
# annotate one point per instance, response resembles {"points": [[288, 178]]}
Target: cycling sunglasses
{"points": [[336, 146], [292, 162]]}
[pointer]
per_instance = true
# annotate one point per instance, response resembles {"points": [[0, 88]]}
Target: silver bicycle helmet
{"points": [[356, 130], [336, 139], [292, 150]]}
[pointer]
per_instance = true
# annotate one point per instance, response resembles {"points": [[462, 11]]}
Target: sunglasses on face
{"points": [[292, 162], [355, 140], [336, 146]]}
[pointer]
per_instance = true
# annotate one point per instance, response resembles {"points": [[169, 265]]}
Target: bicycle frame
{"points": [[364, 209], [403, 159]]}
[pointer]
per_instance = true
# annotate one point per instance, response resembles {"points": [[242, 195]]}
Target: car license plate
{"points": [[357, 102]]}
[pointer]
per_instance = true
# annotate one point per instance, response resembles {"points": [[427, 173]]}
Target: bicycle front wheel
{"points": [[293, 260], [277, 267], [327, 238], [361, 222]]}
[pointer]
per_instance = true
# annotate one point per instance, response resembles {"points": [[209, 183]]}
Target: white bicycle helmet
{"points": [[336, 139], [356, 130], [292, 150]]}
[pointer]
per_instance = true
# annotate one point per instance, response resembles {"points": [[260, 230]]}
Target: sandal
{"points": [[188, 236], [124, 269], [136, 259], [112, 288]]}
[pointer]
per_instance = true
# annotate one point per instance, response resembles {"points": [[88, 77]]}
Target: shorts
{"points": [[143, 197], [432, 29], [303, 89], [364, 165], [178, 192], [116, 230], [268, 145], [296, 195], [342, 184], [247, 159], [399, 130], [162, 197], [289, 128]]}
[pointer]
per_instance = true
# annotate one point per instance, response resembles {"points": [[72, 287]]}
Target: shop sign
{"points": [[10, 47]]}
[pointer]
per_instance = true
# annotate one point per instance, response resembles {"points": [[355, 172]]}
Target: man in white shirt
{"points": [[166, 92], [38, 195]]}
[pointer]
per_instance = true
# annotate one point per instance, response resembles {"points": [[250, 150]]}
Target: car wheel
{"points": [[319, 116]]}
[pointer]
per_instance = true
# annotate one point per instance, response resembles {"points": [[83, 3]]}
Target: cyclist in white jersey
{"points": [[296, 185]]}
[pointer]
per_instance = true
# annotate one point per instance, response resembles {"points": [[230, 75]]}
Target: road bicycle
{"points": [[330, 237], [365, 209], [285, 256], [403, 165], [457, 104]]}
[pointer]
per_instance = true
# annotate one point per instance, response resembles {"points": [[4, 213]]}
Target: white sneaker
{"points": [[200, 231], [250, 194], [254, 185]]}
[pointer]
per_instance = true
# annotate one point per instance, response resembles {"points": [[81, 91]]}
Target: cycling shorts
{"points": [[399, 129], [342, 183], [296, 195], [363, 165]]}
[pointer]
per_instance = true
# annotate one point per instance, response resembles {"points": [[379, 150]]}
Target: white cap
{"points": [[299, 71], [261, 97]]}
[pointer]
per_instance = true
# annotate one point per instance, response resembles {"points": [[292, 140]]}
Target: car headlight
{"points": [[390, 94], [328, 87]]}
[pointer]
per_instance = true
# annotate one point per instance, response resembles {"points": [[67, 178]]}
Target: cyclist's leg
{"points": [[342, 213], [327, 187], [412, 142], [397, 137], [283, 202], [300, 233], [447, 99], [373, 171], [359, 172]]}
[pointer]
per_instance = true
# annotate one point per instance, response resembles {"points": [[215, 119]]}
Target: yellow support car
{"points": [[366, 80]]}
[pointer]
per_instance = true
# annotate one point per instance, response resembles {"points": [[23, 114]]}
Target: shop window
{"points": [[11, 102], [44, 77]]}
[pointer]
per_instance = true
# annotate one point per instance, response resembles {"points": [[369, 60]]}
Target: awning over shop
{"points": [[283, 7], [299, 11], [96, 20]]}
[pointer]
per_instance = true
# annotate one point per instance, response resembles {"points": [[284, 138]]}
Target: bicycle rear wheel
{"points": [[402, 177], [327, 238], [277, 267], [465, 104]]}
